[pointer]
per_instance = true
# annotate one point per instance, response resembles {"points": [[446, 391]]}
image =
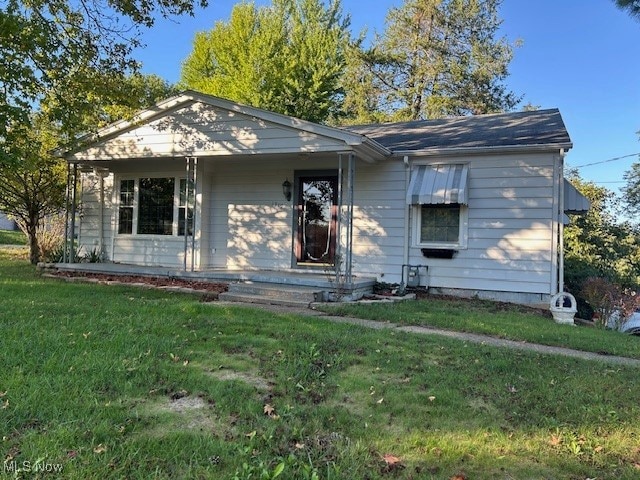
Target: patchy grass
{"points": [[119, 382], [495, 319], [12, 237]]}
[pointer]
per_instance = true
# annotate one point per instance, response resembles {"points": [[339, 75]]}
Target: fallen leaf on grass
{"points": [[5, 405], [380, 401], [269, 410], [390, 459], [100, 449]]}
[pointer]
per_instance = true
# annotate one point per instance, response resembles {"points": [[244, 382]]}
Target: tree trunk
{"points": [[34, 249]]}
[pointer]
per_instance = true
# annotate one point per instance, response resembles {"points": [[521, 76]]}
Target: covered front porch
{"points": [[201, 186]]}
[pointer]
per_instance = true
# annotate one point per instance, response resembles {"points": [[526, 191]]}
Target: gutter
{"points": [[447, 151]]}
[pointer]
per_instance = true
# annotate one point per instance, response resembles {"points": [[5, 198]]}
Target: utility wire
{"points": [[609, 160]]}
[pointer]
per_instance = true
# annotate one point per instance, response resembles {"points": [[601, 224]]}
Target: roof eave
{"points": [[448, 151]]}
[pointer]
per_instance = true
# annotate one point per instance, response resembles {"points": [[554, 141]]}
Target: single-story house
{"points": [[7, 223], [472, 205]]}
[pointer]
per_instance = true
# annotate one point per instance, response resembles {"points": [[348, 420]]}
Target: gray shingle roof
{"points": [[517, 129]]}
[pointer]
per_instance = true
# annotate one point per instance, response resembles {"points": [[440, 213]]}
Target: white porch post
{"points": [[191, 169], [349, 258], [65, 255], [345, 215], [74, 190]]}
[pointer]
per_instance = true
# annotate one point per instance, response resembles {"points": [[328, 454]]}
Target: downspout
{"points": [[338, 257], [561, 224], [407, 212]]}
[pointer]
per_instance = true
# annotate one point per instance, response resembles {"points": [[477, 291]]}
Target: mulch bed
{"points": [[209, 287]]}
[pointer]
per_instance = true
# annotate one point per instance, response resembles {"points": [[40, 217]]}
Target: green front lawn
{"points": [[119, 382], [12, 237], [495, 319]]}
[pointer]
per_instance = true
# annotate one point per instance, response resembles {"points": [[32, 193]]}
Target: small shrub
{"points": [[610, 301]]}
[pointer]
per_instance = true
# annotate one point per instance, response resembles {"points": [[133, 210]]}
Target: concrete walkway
{"points": [[465, 337]]}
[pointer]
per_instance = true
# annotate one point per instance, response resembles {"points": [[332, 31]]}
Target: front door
{"points": [[317, 215]]}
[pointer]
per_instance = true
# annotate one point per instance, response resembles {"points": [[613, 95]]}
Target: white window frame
{"points": [[463, 233], [136, 204]]}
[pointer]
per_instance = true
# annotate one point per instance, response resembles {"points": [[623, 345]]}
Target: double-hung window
{"points": [[125, 210], [155, 206], [185, 209]]}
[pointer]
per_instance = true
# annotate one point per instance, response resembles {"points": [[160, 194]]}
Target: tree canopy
{"points": [[599, 243], [632, 7], [288, 58], [33, 186], [435, 58], [60, 50]]}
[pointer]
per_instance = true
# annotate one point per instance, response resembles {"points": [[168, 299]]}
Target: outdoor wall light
{"points": [[286, 189]]}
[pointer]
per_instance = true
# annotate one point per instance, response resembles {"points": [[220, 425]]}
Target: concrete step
{"points": [[295, 293], [258, 299]]}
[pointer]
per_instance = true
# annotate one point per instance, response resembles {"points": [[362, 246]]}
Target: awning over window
{"points": [[438, 184], [574, 201]]}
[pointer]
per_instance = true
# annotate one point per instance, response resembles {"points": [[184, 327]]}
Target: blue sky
{"points": [[580, 56]]}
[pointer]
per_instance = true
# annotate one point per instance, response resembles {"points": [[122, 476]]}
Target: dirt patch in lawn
{"points": [[260, 383], [179, 412]]}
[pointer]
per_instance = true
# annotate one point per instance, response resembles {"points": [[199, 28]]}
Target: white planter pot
{"points": [[561, 314]]}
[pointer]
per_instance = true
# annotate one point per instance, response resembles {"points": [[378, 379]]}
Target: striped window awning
{"points": [[438, 185], [574, 201]]}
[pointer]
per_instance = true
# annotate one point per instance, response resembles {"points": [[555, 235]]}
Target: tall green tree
{"points": [[33, 186], [632, 7], [631, 190], [599, 243], [438, 58], [288, 57], [57, 49]]}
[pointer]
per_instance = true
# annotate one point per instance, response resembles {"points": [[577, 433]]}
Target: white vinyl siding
{"points": [[203, 130], [88, 227], [510, 229]]}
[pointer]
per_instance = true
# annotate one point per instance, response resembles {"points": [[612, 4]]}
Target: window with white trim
{"points": [[441, 226], [125, 210], [155, 206]]}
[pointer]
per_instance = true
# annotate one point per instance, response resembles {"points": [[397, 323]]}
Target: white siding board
{"points": [[204, 130], [509, 235]]}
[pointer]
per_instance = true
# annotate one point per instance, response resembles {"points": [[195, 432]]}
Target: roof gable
{"points": [[194, 124]]}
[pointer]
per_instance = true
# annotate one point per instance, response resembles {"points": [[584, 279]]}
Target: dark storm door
{"points": [[317, 214]]}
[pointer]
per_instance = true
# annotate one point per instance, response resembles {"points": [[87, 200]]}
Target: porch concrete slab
{"points": [[307, 278]]}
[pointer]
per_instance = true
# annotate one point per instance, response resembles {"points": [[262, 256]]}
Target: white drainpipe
{"points": [[561, 225], [407, 211]]}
